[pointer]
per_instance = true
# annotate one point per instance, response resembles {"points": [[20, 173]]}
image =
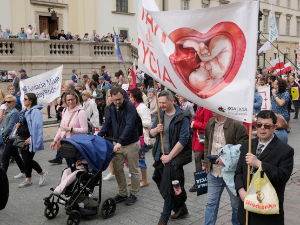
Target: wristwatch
{"points": [[275, 96], [71, 129]]}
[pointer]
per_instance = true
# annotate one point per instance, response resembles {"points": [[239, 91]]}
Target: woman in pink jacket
{"points": [[74, 119], [198, 125]]}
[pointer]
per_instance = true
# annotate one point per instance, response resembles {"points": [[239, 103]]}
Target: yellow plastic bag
{"points": [[261, 197]]}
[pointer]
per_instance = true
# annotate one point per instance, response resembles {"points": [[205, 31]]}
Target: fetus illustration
{"points": [[207, 62], [215, 60]]}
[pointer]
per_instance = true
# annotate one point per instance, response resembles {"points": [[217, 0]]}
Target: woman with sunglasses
{"points": [[74, 119], [90, 108], [11, 90], [10, 118], [30, 127]]}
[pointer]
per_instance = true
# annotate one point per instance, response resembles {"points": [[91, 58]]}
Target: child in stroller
{"points": [[92, 155]]}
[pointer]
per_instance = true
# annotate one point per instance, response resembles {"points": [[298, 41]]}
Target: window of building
{"points": [[122, 6], [288, 22], [277, 2], [285, 55], [298, 27], [184, 5], [275, 55], [264, 60], [265, 25], [298, 4], [204, 6], [288, 3], [277, 23]]}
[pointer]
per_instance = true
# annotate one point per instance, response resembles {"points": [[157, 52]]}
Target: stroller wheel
{"points": [[51, 210], [73, 218], [108, 208]]}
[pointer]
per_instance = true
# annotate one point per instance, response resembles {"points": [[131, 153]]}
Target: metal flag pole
{"points": [[123, 60], [280, 51], [159, 119]]}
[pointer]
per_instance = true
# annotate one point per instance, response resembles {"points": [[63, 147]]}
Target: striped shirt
{"points": [[217, 145]]}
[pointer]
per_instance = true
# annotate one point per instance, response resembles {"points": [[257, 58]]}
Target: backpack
{"points": [[138, 122]]}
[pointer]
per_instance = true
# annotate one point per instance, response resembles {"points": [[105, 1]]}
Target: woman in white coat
{"points": [[90, 108], [136, 98]]}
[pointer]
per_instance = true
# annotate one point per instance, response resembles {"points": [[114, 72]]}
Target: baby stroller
{"points": [[98, 152]]}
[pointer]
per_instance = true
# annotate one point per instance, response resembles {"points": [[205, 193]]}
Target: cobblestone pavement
{"points": [[26, 206]]}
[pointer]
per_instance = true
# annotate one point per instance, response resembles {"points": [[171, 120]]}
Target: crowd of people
{"points": [[30, 33], [119, 113]]}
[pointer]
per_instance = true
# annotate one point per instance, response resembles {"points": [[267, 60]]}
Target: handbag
{"points": [[5, 138], [261, 198], [201, 182], [19, 143], [58, 143], [281, 122]]}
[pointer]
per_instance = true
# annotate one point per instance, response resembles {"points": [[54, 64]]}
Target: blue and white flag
{"points": [[118, 48], [46, 86]]}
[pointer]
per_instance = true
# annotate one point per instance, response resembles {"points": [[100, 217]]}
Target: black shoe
{"points": [[56, 160], [131, 200], [296, 117], [182, 213], [193, 189], [49, 117], [119, 198], [292, 110]]}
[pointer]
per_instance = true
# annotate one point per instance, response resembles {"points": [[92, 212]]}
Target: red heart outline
{"points": [[184, 60]]}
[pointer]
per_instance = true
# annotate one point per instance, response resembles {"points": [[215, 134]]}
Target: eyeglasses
{"points": [[7, 102], [83, 95], [266, 126], [71, 100], [25, 99]]}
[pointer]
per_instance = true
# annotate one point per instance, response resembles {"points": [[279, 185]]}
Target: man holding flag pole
{"points": [[216, 73]]}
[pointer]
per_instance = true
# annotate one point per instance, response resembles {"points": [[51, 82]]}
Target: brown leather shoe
{"points": [[162, 223], [182, 213]]}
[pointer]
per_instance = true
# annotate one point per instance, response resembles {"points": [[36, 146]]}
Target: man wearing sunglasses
{"points": [[276, 159]]}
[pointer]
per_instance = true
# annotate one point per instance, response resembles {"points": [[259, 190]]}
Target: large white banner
{"points": [[264, 91], [46, 86], [206, 55]]}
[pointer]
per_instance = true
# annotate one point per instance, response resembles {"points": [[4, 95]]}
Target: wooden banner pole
{"points": [[159, 119], [248, 171]]}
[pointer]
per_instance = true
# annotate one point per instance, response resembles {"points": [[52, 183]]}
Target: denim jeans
{"points": [[282, 135], [165, 215], [214, 191]]}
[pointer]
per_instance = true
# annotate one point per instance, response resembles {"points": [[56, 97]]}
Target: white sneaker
{"points": [[43, 178], [109, 176], [129, 174], [20, 175], [25, 183]]}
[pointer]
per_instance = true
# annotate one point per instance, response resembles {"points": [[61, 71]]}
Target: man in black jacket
{"points": [[275, 158], [95, 76], [177, 153], [122, 118]]}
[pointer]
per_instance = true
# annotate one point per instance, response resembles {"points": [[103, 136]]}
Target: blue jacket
{"points": [[230, 158], [184, 131], [74, 78], [257, 103], [18, 101], [125, 127], [35, 122], [9, 119], [106, 77]]}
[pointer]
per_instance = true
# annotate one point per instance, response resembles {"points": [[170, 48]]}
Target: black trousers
{"points": [[9, 151], [296, 106], [29, 163]]}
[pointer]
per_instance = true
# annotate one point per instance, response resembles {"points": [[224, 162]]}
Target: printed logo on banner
{"points": [[221, 109], [237, 111]]}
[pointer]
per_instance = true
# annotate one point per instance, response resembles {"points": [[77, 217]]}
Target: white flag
{"points": [[273, 33], [46, 86], [211, 62]]}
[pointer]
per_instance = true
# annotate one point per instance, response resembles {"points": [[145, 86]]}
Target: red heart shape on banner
{"points": [[207, 63]]}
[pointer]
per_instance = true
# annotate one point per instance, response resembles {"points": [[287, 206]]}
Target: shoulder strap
{"points": [[71, 118]]}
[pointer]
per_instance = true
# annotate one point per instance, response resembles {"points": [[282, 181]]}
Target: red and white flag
{"points": [[277, 64], [206, 55], [133, 74], [286, 68]]}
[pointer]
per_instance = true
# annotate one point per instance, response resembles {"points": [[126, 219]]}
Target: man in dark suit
{"points": [[16, 81], [276, 159]]}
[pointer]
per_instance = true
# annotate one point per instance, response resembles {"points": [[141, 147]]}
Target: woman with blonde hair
{"points": [[130, 83], [90, 108]]}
